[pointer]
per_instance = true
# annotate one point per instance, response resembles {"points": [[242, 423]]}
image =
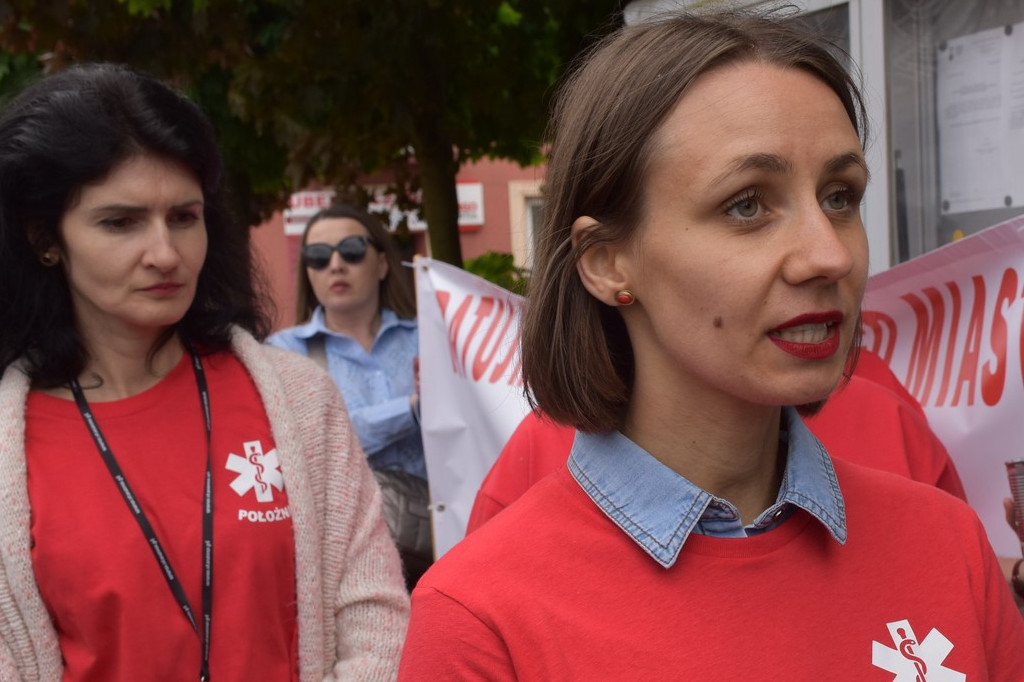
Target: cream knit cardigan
{"points": [[352, 604]]}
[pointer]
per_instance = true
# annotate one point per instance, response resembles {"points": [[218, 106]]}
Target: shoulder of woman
{"points": [[274, 367], [390, 314], [899, 496], [14, 388], [287, 338], [14, 378]]}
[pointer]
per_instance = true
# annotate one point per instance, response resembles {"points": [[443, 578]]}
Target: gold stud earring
{"points": [[624, 297]]}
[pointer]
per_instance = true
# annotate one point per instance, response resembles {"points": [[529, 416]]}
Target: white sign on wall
{"points": [[302, 206], [471, 203], [980, 115]]}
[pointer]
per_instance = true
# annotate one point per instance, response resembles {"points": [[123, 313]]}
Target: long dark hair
{"points": [[395, 291], [72, 129]]}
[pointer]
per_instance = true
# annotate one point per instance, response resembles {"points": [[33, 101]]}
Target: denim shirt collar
{"points": [[659, 509], [318, 324]]}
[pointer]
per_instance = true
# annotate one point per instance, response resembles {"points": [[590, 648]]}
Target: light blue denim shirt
{"points": [[376, 386], [659, 509]]}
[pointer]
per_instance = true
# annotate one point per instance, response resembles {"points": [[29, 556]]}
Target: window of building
{"points": [[955, 118], [525, 210]]}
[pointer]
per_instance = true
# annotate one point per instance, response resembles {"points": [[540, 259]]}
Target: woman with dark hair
{"points": [[136, 396], [696, 289], [356, 315]]}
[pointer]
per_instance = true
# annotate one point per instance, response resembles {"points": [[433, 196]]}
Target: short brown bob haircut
{"points": [[577, 358], [395, 291]]}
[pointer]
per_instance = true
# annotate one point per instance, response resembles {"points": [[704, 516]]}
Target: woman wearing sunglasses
{"points": [[180, 501], [355, 315]]}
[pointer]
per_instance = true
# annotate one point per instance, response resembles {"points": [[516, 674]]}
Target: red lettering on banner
{"points": [[454, 325], [512, 354], [979, 362], [947, 367], [972, 344], [502, 315], [927, 338], [517, 370], [879, 324], [993, 381], [442, 300], [1020, 341], [487, 350], [483, 310]]}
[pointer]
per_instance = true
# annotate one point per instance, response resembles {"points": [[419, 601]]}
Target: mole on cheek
{"points": [[718, 322]]}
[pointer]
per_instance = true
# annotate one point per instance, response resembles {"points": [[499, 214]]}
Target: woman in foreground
{"points": [[697, 289]]}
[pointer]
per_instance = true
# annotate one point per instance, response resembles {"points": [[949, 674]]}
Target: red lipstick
{"points": [[814, 336]]}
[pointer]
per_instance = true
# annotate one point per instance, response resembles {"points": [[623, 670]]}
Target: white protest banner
{"points": [[471, 396], [949, 324]]}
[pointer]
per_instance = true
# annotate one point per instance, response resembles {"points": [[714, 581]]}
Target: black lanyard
{"points": [[147, 528]]}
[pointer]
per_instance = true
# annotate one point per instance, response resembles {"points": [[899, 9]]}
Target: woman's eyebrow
{"points": [[769, 163], [777, 165], [133, 208], [844, 161]]}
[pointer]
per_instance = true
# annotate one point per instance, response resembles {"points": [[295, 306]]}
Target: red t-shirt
{"points": [[551, 589], [115, 616]]}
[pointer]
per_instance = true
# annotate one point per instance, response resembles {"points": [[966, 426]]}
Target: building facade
{"points": [[944, 83], [499, 202]]}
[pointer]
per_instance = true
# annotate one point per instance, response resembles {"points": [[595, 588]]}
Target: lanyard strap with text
{"points": [[147, 528]]}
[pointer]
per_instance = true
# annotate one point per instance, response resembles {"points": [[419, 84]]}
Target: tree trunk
{"points": [[436, 159]]}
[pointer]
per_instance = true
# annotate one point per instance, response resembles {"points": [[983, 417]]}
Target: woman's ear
{"points": [[604, 266], [46, 250]]}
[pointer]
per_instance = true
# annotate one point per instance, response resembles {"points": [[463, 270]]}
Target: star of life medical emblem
{"points": [[912, 661], [257, 470]]}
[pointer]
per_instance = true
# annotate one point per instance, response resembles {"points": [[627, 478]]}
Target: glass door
{"points": [[956, 117]]}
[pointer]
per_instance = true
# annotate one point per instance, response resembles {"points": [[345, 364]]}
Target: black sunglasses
{"points": [[351, 249]]}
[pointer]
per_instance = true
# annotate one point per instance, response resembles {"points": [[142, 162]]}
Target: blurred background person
{"points": [[356, 316], [136, 396]]}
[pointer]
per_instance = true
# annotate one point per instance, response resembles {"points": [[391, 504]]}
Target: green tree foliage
{"points": [[500, 268], [325, 90], [15, 72]]}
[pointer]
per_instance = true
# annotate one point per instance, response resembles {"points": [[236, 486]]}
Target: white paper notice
{"points": [[980, 111]]}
